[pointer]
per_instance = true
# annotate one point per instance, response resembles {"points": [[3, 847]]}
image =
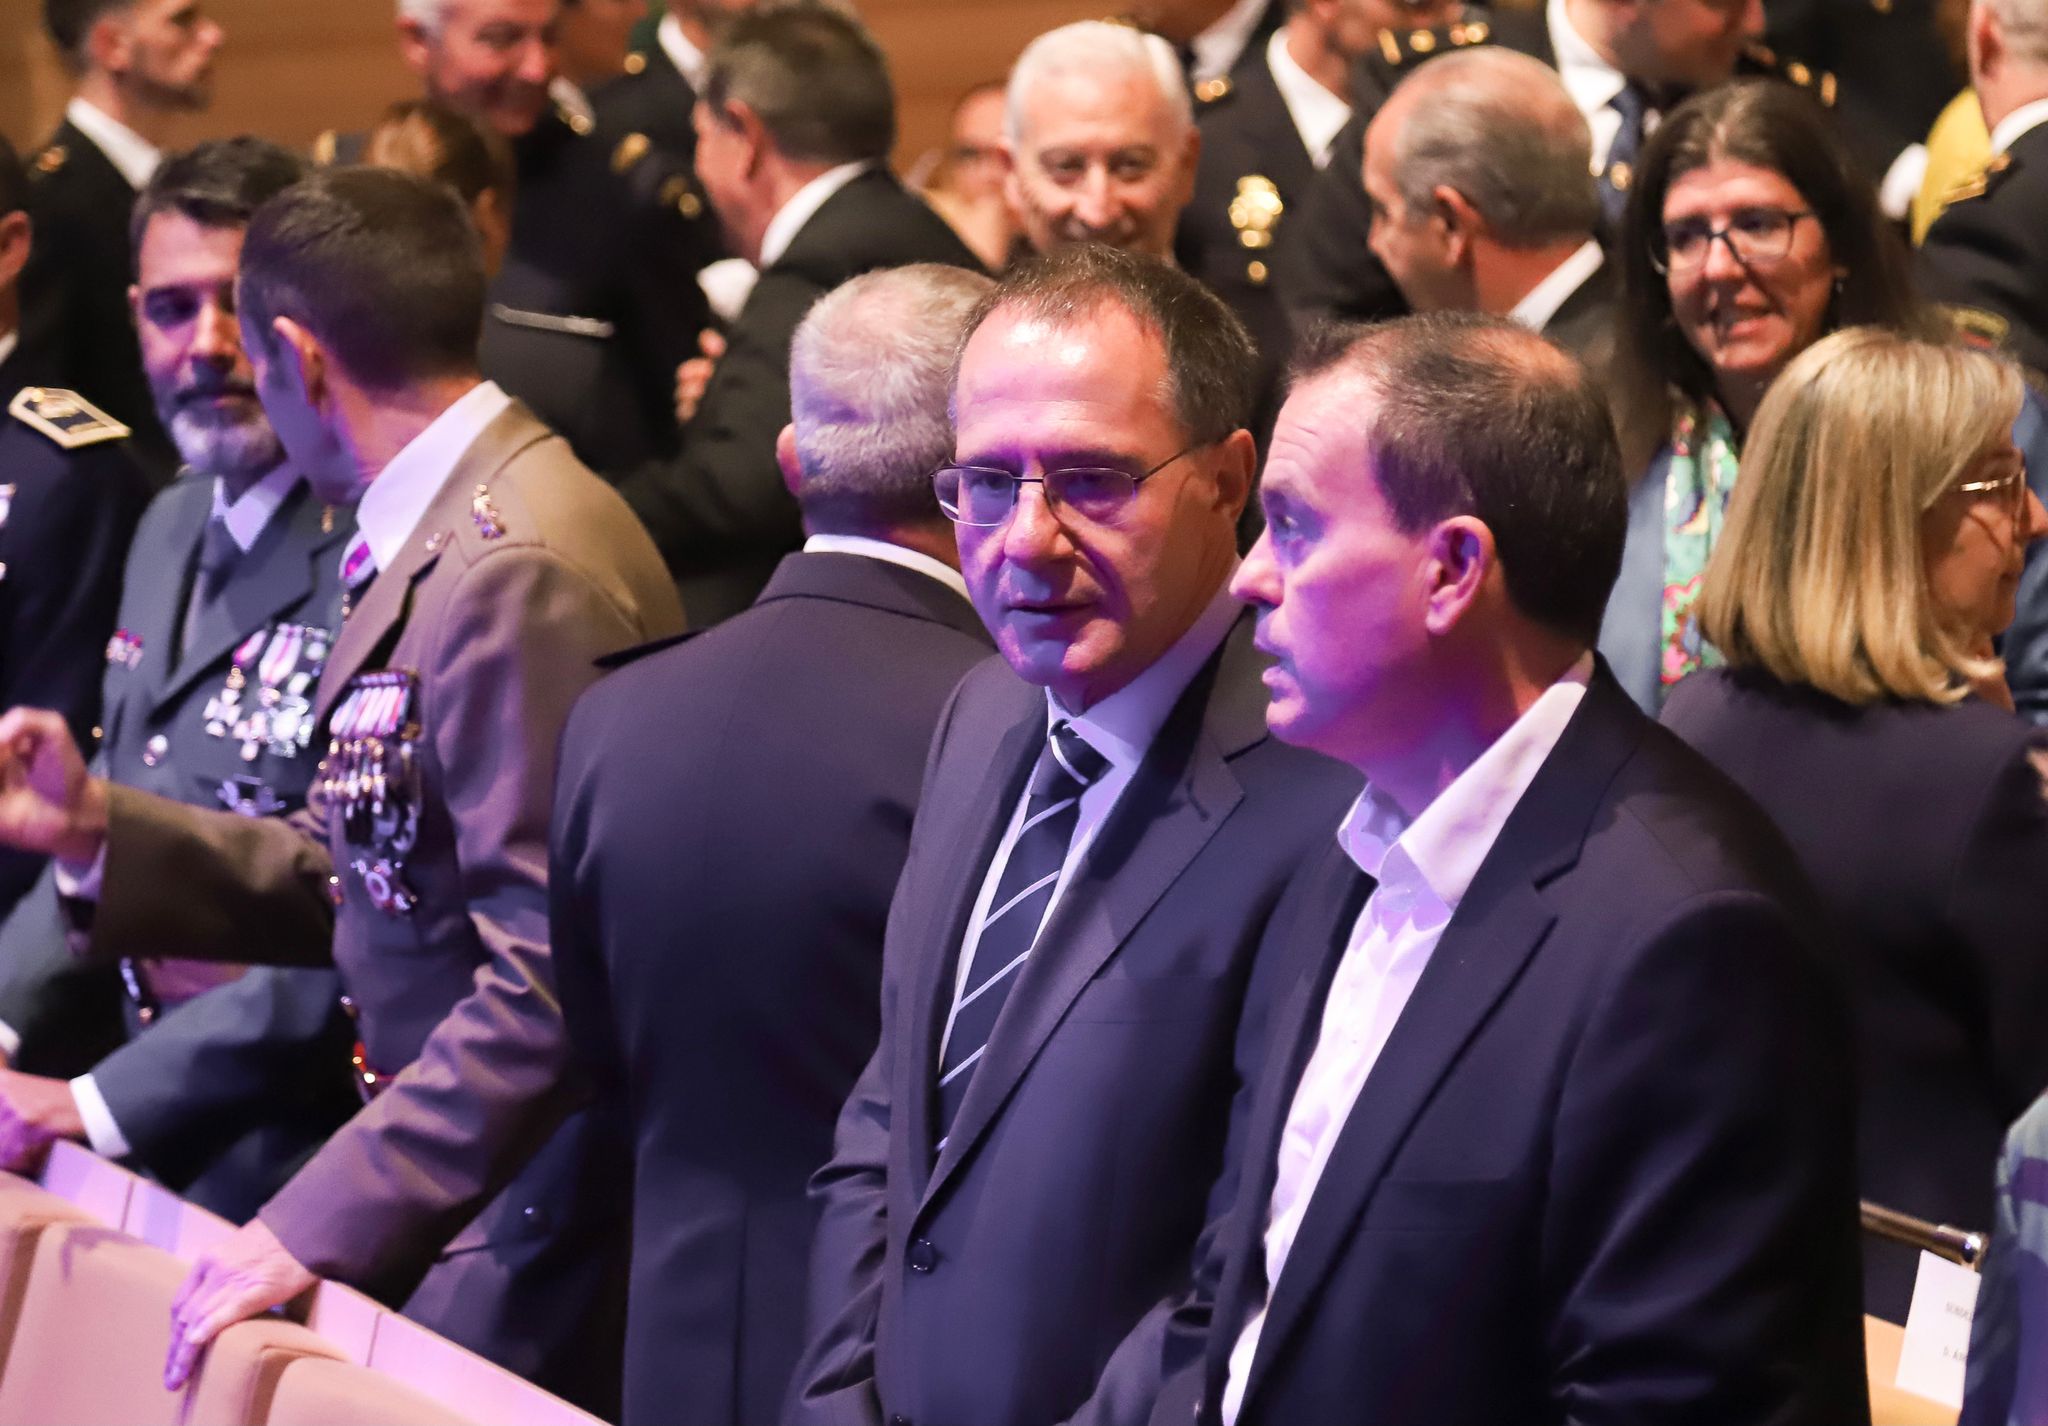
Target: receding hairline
{"points": [[1073, 314]]}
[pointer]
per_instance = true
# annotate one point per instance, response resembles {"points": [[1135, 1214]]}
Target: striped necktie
{"points": [[1066, 767]]}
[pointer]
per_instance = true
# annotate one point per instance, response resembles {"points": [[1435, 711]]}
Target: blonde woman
{"points": [[1872, 550]]}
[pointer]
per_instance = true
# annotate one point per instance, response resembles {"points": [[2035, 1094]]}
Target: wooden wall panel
{"points": [[295, 67]]}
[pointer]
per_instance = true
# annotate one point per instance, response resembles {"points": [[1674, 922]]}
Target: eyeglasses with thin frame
{"points": [[2012, 485], [983, 496], [1753, 235]]}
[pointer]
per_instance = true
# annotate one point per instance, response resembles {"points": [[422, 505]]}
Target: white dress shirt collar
{"points": [[1121, 727], [396, 501], [135, 156], [247, 517], [888, 554], [2018, 122], [1217, 48], [686, 57], [1440, 850], [1540, 303], [803, 205], [1317, 113], [8, 342], [1590, 80]]}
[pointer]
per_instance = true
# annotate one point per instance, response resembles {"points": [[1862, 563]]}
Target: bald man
{"points": [[1479, 168]]}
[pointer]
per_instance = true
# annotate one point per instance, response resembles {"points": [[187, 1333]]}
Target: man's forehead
{"points": [[479, 13], [177, 249], [1111, 107]]}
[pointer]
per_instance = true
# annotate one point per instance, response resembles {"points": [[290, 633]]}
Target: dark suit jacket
{"points": [[719, 512], [1583, 324], [1926, 830], [1600, 1171], [1986, 257], [75, 323], [993, 1283], [1247, 137], [750, 792]]}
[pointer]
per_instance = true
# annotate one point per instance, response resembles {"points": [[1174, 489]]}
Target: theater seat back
{"points": [[313, 1392]]}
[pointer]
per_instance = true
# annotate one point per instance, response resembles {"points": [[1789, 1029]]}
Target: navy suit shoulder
{"points": [[718, 511], [1541, 1186], [1931, 873], [731, 816], [1985, 256]]}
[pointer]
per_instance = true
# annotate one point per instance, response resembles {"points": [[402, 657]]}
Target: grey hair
{"points": [[1499, 128], [1092, 48], [427, 14], [870, 374], [2025, 26]]}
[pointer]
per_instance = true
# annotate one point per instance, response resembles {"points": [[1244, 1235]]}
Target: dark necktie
{"points": [[1065, 768], [1633, 104], [218, 554]]}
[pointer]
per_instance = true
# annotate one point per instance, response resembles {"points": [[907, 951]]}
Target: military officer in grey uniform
{"points": [[488, 571], [218, 1083], [597, 303]]}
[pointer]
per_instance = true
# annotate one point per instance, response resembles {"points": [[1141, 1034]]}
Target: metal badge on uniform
{"points": [[372, 780], [124, 650], [277, 717], [248, 797]]}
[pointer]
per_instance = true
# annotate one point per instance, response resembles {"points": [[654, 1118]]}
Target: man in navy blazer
{"points": [[1554, 1123], [731, 815], [1020, 1175]]}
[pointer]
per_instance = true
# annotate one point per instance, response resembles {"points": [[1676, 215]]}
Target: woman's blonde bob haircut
{"points": [[1819, 574]]}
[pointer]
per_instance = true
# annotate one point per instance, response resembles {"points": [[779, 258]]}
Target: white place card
{"points": [[1938, 1331]]}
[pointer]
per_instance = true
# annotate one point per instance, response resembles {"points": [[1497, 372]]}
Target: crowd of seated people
{"points": [[1343, 720]]}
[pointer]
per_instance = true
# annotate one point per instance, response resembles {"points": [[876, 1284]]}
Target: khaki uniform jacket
{"points": [[524, 571]]}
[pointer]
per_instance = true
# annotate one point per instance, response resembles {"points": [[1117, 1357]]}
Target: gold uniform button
{"points": [[636, 63], [1257, 272], [1422, 42], [153, 751]]}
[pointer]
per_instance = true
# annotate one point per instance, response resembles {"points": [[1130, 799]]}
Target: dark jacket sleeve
{"points": [[723, 495], [1995, 904], [1330, 273]]}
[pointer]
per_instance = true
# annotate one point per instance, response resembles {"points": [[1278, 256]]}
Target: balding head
{"points": [[1101, 137]]}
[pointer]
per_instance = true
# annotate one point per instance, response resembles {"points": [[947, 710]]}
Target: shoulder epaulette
{"points": [[1818, 82], [1400, 48], [1979, 183], [65, 417]]}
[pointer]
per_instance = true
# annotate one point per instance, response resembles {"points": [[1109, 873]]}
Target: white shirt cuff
{"points": [[82, 883], [1902, 181], [100, 1129], [10, 1041]]}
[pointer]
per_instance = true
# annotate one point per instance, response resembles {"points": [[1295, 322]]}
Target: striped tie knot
{"points": [[1069, 766]]}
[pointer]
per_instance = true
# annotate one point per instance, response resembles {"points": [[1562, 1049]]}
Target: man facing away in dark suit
{"points": [[140, 66], [1553, 1120], [1020, 1175], [794, 127], [217, 1079], [1479, 172], [723, 866]]}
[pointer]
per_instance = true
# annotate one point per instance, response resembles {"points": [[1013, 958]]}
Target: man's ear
{"points": [[107, 43], [1234, 472], [753, 134], [415, 46], [1461, 557], [16, 236], [1985, 40], [1461, 221], [785, 457], [304, 358]]}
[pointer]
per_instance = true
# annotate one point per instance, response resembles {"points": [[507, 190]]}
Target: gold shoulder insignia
{"points": [[484, 514], [324, 147], [1472, 34], [1422, 41], [52, 158], [1826, 89], [579, 124], [1977, 327], [1979, 183], [636, 63], [1211, 90], [65, 417], [630, 151]]}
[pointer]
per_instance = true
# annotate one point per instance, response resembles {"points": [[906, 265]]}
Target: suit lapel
{"points": [[152, 600], [1180, 795], [384, 604], [273, 576], [1496, 929]]}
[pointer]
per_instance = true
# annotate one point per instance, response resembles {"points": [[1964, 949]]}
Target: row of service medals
{"points": [[276, 716], [371, 778]]}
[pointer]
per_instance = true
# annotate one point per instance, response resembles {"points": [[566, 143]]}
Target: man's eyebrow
{"points": [[1066, 456]]}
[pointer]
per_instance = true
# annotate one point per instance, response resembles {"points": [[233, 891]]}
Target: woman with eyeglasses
{"points": [[1871, 551], [1750, 234]]}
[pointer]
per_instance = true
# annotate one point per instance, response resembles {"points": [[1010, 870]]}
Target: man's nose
{"points": [[1095, 200], [217, 338], [1034, 532], [1255, 582], [536, 61]]}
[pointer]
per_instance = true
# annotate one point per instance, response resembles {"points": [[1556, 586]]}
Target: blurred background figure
{"points": [[138, 66], [1101, 138], [1872, 552], [592, 40], [430, 140], [967, 180], [1211, 38], [1750, 234]]}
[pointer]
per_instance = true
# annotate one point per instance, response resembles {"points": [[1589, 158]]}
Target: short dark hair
{"points": [[218, 184], [1480, 416], [13, 180], [382, 266], [1211, 364], [813, 74], [1775, 126], [70, 22]]}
